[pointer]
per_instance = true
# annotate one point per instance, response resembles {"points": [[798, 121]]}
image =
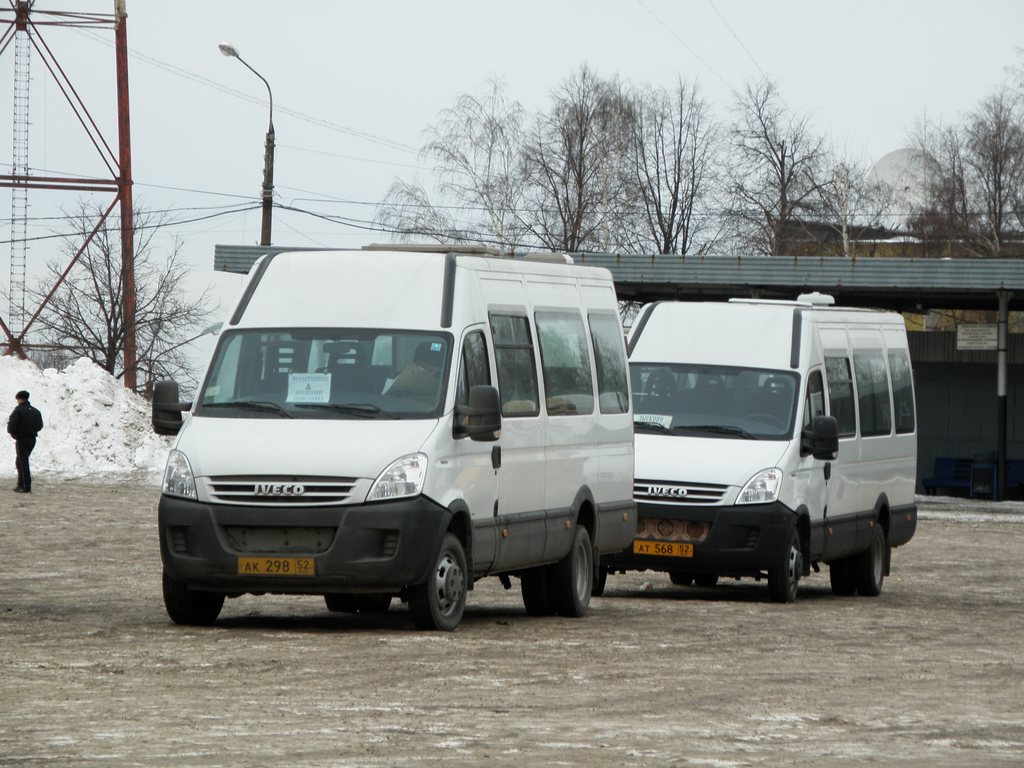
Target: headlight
{"points": [[762, 488], [178, 478], [404, 477]]}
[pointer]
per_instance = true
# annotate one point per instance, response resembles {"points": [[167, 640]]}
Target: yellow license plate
{"points": [[276, 566], [663, 548]]}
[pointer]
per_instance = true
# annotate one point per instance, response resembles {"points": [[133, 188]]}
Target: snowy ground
{"points": [[93, 673]]}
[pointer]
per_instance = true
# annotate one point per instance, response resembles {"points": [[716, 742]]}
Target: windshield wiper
{"points": [[366, 410], [254, 405], [718, 428], [653, 426]]}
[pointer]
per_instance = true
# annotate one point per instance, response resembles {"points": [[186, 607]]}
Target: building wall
{"points": [[957, 405]]}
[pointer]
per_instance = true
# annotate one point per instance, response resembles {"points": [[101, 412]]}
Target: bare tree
{"points": [[673, 154], [853, 203], [776, 173], [572, 158], [944, 215], [84, 315], [976, 195], [994, 137], [475, 151]]}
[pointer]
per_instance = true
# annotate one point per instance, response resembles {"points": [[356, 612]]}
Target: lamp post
{"points": [[268, 154]]}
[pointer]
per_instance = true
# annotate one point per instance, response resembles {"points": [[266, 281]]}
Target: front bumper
{"points": [[736, 541], [361, 548]]}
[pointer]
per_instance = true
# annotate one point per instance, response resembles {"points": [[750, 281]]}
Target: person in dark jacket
{"points": [[24, 424]]}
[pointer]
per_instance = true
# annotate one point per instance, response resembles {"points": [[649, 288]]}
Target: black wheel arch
{"points": [[584, 511], [803, 529], [883, 517], [459, 524]]}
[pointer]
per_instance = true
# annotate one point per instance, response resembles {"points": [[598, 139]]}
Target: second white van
{"points": [[771, 437]]}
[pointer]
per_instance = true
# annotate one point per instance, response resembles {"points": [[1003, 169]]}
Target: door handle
{"points": [[496, 456]]}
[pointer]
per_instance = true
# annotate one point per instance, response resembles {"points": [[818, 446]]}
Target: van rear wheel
{"points": [[784, 577], [599, 581], [869, 565], [680, 578], [840, 573], [534, 585], [440, 601], [572, 577], [190, 606]]}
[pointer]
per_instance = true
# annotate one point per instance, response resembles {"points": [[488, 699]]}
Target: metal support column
{"points": [[1004, 307]]}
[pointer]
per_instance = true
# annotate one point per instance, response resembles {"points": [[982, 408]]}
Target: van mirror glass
{"points": [[481, 418], [822, 439], [167, 408]]}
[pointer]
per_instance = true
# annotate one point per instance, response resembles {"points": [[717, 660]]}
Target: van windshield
{"points": [[714, 401], [327, 373]]}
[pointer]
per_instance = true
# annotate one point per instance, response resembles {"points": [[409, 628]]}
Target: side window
{"points": [[814, 400], [902, 390], [872, 393], [840, 394], [517, 372], [565, 360], [473, 369], [610, 360]]}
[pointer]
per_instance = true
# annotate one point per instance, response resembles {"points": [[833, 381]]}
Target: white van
{"points": [[401, 422], [771, 436]]}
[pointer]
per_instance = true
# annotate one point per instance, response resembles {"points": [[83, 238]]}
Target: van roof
{"points": [[812, 299]]}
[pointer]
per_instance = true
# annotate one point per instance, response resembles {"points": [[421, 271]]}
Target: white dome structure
{"points": [[907, 173]]}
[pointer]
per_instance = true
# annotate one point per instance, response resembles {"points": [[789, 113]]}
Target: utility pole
{"points": [[124, 192]]}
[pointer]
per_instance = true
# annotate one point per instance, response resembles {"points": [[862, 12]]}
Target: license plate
{"points": [[663, 548], [276, 566]]}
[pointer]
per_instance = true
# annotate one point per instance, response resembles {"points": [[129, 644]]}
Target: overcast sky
{"points": [[355, 84]]}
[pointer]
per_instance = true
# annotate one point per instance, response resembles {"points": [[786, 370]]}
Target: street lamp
{"points": [[268, 155]]}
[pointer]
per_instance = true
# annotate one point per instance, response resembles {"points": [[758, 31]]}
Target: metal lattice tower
{"points": [[21, 28], [19, 194]]}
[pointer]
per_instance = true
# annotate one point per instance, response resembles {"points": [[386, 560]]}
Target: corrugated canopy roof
{"points": [[895, 283]]}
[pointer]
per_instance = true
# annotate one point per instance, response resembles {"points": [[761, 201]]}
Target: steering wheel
{"points": [[769, 418]]}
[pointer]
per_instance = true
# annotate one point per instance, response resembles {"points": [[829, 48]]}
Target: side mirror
{"points": [[481, 419], [822, 440], [167, 408]]}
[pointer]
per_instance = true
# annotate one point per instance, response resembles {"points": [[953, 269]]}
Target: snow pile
{"points": [[93, 426]]}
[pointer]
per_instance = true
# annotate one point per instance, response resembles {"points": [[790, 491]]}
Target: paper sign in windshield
{"points": [[309, 387], [653, 418]]}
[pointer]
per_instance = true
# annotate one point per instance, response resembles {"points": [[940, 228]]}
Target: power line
{"points": [[351, 157], [311, 119], [735, 36], [686, 45], [143, 227]]}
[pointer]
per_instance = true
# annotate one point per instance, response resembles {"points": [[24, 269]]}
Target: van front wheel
{"points": [[784, 578], [869, 566], [440, 602], [190, 606], [572, 577]]}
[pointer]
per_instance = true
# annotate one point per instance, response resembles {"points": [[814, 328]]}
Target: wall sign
{"points": [[979, 336]]}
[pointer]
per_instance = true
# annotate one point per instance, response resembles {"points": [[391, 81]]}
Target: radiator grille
{"points": [[683, 494], [275, 491]]}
